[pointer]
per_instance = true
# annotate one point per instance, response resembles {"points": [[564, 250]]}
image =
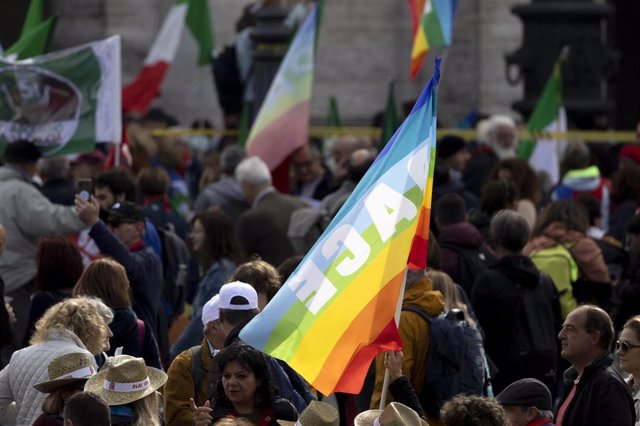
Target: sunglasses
{"points": [[625, 346]]}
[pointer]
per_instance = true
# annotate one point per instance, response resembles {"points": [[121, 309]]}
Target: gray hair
{"points": [[231, 156], [54, 168], [253, 172], [544, 414], [509, 230]]}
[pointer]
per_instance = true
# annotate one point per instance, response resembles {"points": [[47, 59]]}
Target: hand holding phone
{"points": [[85, 188]]}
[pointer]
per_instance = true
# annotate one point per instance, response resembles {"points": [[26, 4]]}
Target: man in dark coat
{"points": [[594, 394], [499, 291], [263, 228]]}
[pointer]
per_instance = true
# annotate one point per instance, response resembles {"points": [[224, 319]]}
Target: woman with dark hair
{"points": [[246, 390], [526, 182], [216, 245], [59, 267], [107, 280], [499, 194]]}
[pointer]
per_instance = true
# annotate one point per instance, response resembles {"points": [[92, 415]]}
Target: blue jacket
{"points": [[144, 270]]}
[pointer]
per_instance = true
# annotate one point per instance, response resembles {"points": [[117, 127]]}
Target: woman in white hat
{"points": [[74, 325], [245, 390], [67, 376], [130, 389]]}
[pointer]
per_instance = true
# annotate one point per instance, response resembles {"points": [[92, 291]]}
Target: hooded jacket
{"points": [[463, 235], [585, 251], [586, 181], [494, 297], [414, 332], [27, 216]]}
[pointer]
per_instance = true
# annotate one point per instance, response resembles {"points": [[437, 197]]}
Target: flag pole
{"points": [[385, 383]]}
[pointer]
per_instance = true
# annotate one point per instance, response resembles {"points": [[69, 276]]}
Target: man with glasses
{"points": [[594, 394]]}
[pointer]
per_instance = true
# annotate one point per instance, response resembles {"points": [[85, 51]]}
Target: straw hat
{"points": [[68, 368], [316, 414], [125, 380], [395, 414]]}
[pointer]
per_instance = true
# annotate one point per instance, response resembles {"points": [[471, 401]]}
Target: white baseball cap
{"points": [[238, 288], [210, 310]]}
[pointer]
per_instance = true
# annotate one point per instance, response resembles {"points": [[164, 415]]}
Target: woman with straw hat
{"points": [[79, 324], [130, 389], [395, 414], [245, 390], [67, 376]]}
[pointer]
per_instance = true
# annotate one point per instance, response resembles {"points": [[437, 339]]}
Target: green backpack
{"points": [[558, 263]]}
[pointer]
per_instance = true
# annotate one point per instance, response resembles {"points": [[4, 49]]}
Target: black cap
{"points": [[526, 392], [21, 152], [449, 145], [126, 212]]}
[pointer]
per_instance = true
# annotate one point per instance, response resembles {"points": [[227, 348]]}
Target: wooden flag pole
{"points": [[385, 383]]}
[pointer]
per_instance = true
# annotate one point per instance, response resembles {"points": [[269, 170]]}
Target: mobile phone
{"points": [[85, 188]]}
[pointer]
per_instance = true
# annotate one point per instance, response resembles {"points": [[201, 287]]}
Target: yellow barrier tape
{"points": [[592, 136]]}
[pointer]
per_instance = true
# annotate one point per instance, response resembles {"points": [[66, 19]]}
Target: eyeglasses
{"points": [[625, 346]]}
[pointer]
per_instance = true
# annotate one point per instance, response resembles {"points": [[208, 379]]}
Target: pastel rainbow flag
{"points": [[336, 311], [282, 124], [434, 29]]}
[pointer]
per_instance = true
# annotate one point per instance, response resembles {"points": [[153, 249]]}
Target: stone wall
{"points": [[364, 44]]}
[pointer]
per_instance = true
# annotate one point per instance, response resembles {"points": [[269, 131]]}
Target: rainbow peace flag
{"points": [[282, 124], [336, 311], [434, 29]]}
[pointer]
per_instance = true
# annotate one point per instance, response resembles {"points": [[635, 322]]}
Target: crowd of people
{"points": [[124, 304]]}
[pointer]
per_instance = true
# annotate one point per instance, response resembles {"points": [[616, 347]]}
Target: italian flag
{"points": [[548, 116], [138, 95]]}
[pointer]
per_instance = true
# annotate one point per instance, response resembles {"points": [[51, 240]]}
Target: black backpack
{"points": [[175, 260], [455, 360], [471, 263], [534, 332]]}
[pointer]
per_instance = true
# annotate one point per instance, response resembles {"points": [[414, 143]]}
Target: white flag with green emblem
{"points": [[65, 101]]}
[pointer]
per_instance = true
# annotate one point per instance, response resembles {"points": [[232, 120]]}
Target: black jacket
{"points": [[495, 297], [601, 399]]}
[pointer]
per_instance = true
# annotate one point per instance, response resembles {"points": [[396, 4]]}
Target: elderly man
{"points": [[311, 180], [594, 393], [263, 228], [527, 403]]}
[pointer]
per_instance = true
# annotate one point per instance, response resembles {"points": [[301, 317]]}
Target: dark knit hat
{"points": [[449, 145], [21, 152], [526, 392], [125, 212]]}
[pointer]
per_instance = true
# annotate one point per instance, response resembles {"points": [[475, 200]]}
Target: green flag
{"points": [[35, 34], [199, 23], [391, 119], [333, 116], [548, 115], [64, 101], [243, 128]]}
